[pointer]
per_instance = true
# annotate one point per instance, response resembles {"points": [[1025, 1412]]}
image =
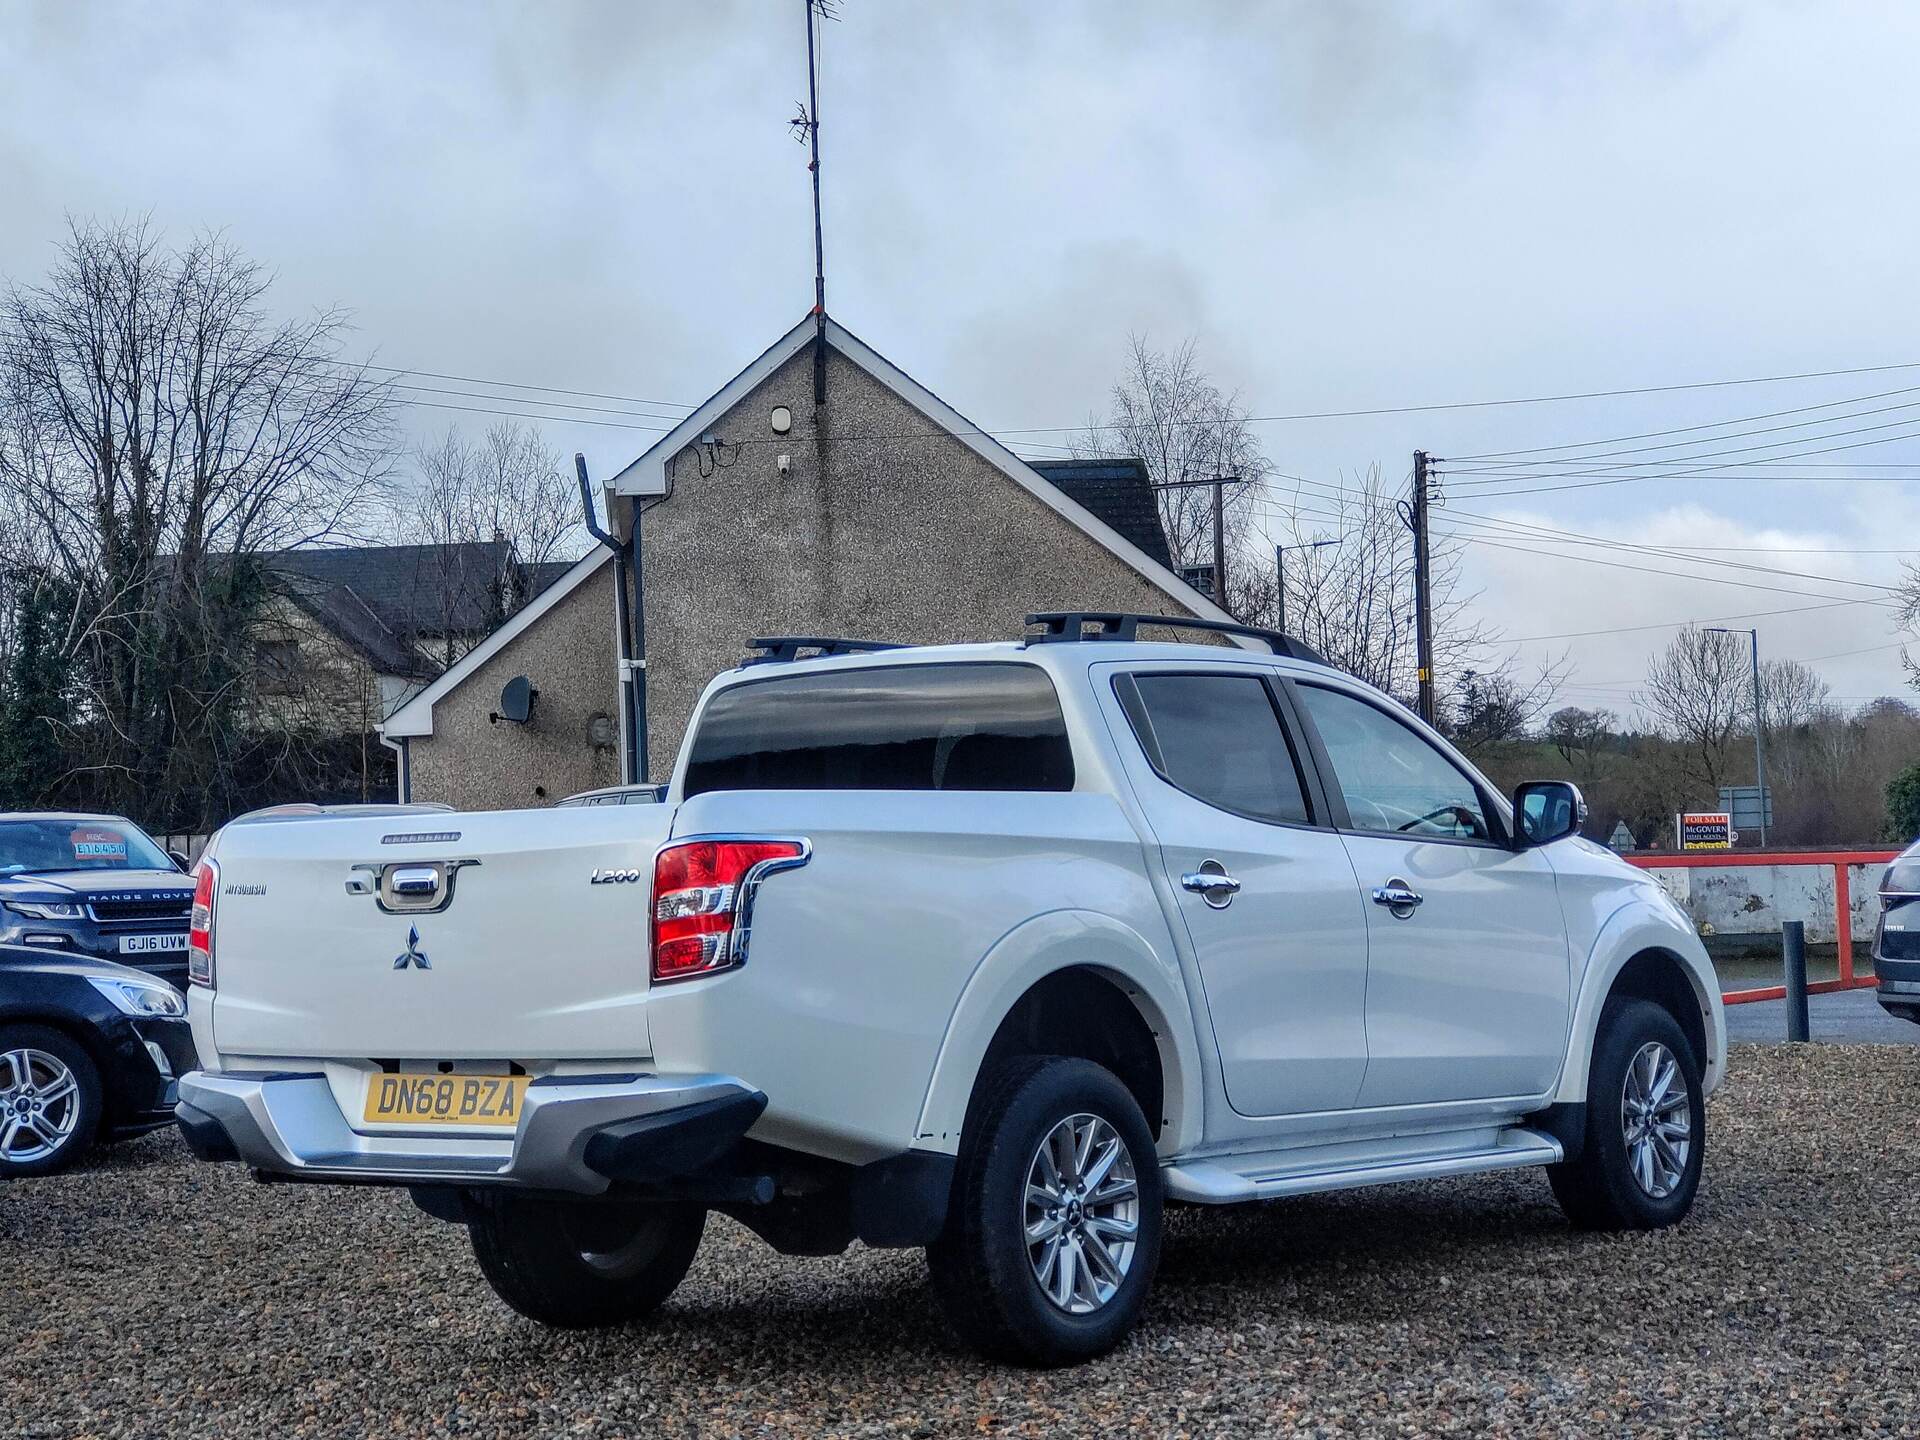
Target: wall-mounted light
{"points": [[782, 419]]}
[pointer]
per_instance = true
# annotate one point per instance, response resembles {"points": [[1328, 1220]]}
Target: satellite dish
{"points": [[516, 701]]}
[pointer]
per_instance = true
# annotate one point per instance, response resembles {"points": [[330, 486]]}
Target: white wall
{"points": [[1754, 899]]}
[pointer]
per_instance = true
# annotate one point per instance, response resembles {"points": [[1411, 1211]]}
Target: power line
{"points": [[515, 385], [1494, 467], [1527, 399], [550, 404], [1545, 550], [1700, 472], [523, 415], [1544, 533], [1683, 624], [1684, 429], [1497, 477], [1525, 530], [1472, 539]]}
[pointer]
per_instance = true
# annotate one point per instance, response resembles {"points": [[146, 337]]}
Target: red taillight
{"points": [[702, 890], [206, 883]]}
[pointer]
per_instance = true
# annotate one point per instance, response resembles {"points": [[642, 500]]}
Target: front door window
{"points": [[1393, 780]]}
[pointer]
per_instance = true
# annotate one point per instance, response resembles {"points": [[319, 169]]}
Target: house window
{"points": [[279, 666]]}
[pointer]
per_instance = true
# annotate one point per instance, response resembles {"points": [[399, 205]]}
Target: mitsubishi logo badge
{"points": [[413, 954]]}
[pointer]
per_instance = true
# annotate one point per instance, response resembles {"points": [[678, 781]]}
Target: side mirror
{"points": [[1545, 811], [179, 858]]}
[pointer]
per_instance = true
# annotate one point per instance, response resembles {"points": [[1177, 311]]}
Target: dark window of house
{"points": [[1218, 738], [279, 666], [988, 726]]}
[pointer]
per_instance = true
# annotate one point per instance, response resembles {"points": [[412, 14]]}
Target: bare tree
{"points": [[1907, 617], [157, 428], [528, 494], [511, 485], [510, 491], [1791, 695], [1167, 411], [1697, 691], [1580, 736], [1354, 602], [1492, 713]]}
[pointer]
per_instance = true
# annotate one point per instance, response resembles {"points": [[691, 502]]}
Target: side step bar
{"points": [[1232, 1180]]}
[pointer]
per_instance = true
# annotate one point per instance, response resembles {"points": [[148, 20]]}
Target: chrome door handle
{"points": [[1398, 896], [1211, 883]]}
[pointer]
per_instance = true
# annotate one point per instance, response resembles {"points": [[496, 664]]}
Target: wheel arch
{"points": [[1086, 983], [1644, 953], [92, 1044]]}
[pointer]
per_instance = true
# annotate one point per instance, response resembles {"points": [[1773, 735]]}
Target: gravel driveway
{"points": [[150, 1295]]}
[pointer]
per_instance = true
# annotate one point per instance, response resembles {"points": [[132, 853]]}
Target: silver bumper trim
{"points": [[290, 1125]]}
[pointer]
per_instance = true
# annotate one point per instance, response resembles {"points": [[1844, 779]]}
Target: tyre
{"points": [[50, 1100], [580, 1265], [1646, 1134], [1053, 1234]]}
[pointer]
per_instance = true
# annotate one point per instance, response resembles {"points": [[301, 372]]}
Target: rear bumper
{"points": [[578, 1134], [1899, 986]]}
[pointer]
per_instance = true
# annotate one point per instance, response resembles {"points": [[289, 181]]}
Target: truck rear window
{"points": [[986, 726]]}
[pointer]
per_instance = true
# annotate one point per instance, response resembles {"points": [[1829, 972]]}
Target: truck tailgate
{"points": [[530, 958]]}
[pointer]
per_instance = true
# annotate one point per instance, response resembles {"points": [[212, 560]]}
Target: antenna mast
{"points": [[812, 115]]}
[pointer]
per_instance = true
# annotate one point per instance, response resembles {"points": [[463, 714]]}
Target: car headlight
{"points": [[47, 910], [1902, 878], [149, 998]]}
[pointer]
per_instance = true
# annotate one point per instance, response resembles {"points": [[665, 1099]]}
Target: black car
{"points": [[89, 1050], [1896, 941], [94, 885]]}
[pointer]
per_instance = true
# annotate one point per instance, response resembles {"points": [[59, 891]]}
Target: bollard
{"points": [[1793, 945]]}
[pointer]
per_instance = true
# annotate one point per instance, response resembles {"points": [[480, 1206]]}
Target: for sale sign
{"points": [[1705, 830], [92, 844]]}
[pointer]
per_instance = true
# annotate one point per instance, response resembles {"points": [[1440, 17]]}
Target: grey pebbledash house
{"points": [[879, 512]]}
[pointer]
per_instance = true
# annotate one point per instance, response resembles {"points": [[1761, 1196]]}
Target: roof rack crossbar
{"points": [[780, 649], [1073, 625]]}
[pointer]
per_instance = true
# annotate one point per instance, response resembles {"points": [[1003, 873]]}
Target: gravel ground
{"points": [[150, 1295]]}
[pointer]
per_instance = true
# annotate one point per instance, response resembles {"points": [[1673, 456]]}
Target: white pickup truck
{"points": [[992, 949]]}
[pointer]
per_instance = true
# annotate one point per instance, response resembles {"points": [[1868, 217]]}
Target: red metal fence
{"points": [[1840, 860]]}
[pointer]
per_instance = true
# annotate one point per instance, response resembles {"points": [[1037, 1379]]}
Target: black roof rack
{"points": [[1070, 625], [779, 649]]}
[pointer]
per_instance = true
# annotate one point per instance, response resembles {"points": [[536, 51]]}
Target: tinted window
{"points": [[908, 727], [1392, 778], [1218, 738]]}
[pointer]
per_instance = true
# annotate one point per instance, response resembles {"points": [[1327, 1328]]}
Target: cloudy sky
{"points": [[1350, 206]]}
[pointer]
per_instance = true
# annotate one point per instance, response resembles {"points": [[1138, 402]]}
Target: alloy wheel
{"points": [[39, 1105], [1082, 1213], [1656, 1115]]}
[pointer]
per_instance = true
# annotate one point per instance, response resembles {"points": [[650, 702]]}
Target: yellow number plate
{"points": [[445, 1099]]}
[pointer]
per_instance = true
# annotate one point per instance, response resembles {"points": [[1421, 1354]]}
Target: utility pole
{"points": [[1422, 589], [1759, 720], [1219, 484], [1219, 542]]}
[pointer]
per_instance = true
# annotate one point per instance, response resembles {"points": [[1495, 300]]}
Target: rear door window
{"points": [[987, 726], [1219, 738]]}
